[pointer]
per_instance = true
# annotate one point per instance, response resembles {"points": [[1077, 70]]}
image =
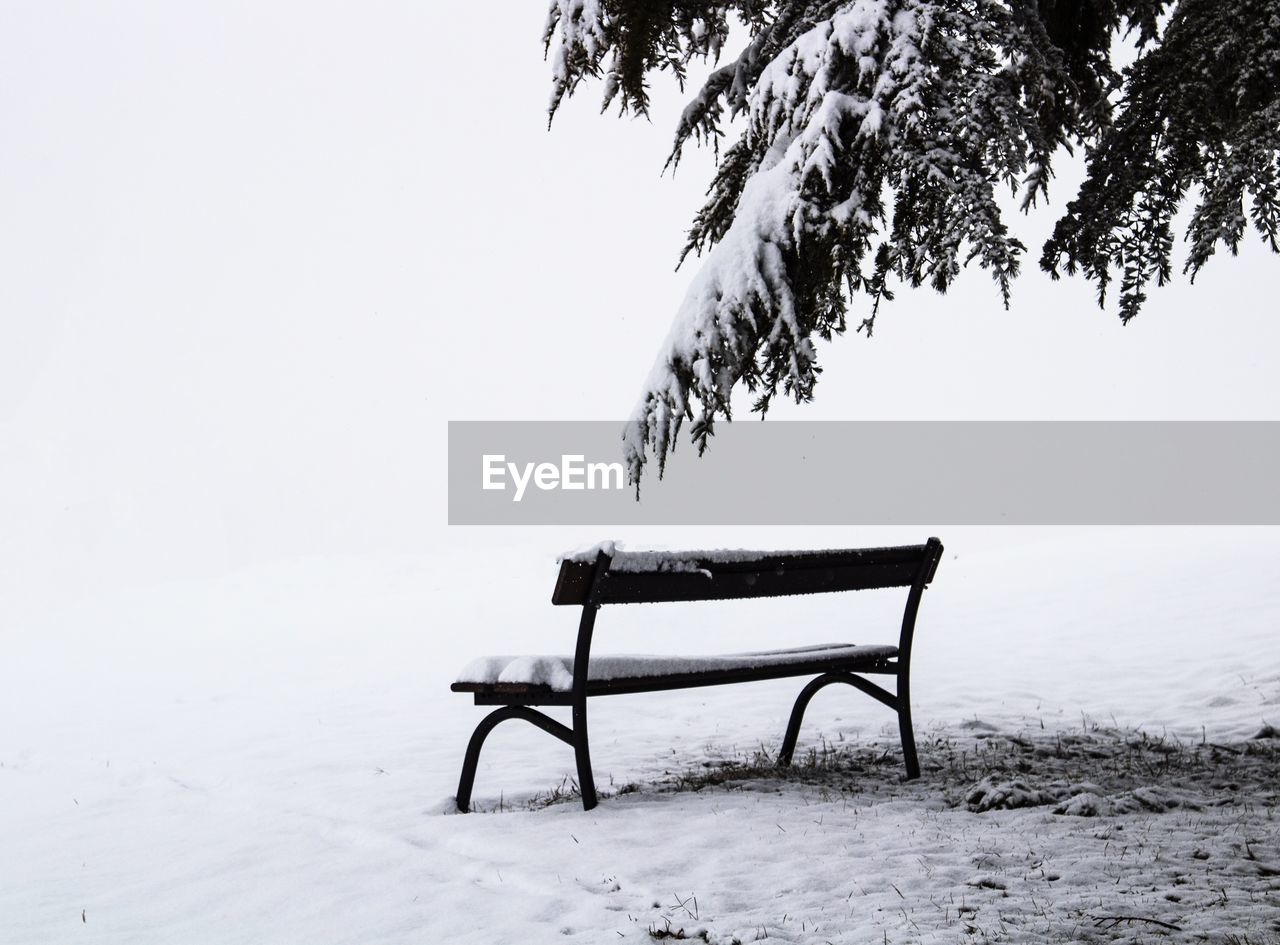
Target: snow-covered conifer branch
{"points": [[1200, 116], [916, 100], [876, 135]]}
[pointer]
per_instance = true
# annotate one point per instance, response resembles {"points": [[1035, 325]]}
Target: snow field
{"points": [[269, 756]]}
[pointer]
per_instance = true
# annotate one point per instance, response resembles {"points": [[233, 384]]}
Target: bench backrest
{"points": [[651, 577]]}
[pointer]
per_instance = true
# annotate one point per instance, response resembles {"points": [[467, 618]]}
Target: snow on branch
{"points": [[876, 136], [908, 99]]}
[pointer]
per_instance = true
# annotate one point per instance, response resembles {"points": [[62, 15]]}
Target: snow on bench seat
{"points": [[556, 672]]}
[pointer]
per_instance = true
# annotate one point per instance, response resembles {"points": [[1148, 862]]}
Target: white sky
{"points": [[253, 256]]}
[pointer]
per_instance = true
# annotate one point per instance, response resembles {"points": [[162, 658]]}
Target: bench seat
{"points": [[526, 678]]}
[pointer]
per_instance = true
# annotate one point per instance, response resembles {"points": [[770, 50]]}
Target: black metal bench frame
{"points": [[593, 584]]}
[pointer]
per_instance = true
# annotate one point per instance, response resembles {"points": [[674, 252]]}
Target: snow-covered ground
{"points": [[269, 756]]}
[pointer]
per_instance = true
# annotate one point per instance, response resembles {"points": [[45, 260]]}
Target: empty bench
{"points": [[602, 576]]}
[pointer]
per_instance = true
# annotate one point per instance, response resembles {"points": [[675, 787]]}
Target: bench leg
{"points": [[901, 703], [468, 779], [582, 755], [797, 716], [905, 730]]}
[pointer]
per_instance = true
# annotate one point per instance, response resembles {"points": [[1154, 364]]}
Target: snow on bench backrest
{"points": [[657, 576]]}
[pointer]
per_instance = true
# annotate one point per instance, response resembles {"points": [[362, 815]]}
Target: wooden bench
{"points": [[605, 577]]}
